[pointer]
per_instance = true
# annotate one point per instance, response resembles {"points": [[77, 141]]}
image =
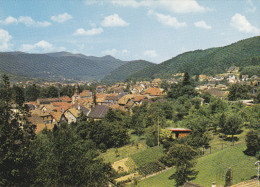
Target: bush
{"points": [[252, 143]]}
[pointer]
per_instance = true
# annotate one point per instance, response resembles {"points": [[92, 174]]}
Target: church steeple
{"points": [[76, 95]]}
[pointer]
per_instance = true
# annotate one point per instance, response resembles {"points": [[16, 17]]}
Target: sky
{"points": [[153, 30]]}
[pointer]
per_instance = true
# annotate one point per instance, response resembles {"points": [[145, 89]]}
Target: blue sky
{"points": [[154, 30]]}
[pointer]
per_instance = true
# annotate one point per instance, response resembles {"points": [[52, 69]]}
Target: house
{"points": [[98, 112], [111, 99], [153, 92], [85, 94], [139, 99], [72, 114], [41, 120], [58, 117], [101, 88], [180, 132]]}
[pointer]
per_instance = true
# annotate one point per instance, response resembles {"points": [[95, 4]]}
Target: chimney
{"points": [[214, 184]]}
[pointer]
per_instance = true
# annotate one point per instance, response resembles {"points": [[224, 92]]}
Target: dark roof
{"points": [[98, 112], [189, 184], [84, 110]]}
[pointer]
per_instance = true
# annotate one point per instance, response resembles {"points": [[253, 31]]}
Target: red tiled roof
{"points": [[154, 91]]}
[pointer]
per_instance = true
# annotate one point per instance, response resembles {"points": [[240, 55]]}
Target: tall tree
{"points": [[64, 159], [16, 161], [32, 93], [228, 178], [230, 124], [183, 157], [186, 79], [18, 95], [252, 143]]}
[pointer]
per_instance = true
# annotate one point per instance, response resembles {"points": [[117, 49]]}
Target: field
{"points": [[212, 168]]}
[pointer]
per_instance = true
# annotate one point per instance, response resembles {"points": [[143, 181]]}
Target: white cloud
{"points": [[127, 3], [111, 52], [176, 6], [150, 53], [202, 24], [114, 52], [61, 17], [114, 21], [91, 32], [5, 38], [93, 2], [167, 20], [125, 51], [9, 20], [28, 21], [240, 22], [250, 6], [39, 46]]}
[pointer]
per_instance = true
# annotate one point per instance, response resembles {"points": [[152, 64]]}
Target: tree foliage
{"points": [[252, 143], [183, 157], [238, 91], [16, 133], [64, 159]]}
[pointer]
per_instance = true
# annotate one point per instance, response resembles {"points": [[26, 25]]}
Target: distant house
{"points": [[98, 112], [202, 77], [180, 132]]}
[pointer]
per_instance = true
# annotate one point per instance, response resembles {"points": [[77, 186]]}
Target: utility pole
{"points": [[159, 126], [258, 170]]}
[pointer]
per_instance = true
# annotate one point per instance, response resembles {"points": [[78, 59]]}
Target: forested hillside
{"points": [[210, 61], [124, 71]]}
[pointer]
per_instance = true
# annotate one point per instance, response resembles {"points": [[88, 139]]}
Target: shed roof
{"points": [[179, 130]]}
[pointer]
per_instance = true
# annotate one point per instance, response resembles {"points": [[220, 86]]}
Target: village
{"points": [[46, 112]]}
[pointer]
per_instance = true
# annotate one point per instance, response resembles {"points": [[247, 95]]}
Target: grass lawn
{"points": [[148, 155], [212, 168]]}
